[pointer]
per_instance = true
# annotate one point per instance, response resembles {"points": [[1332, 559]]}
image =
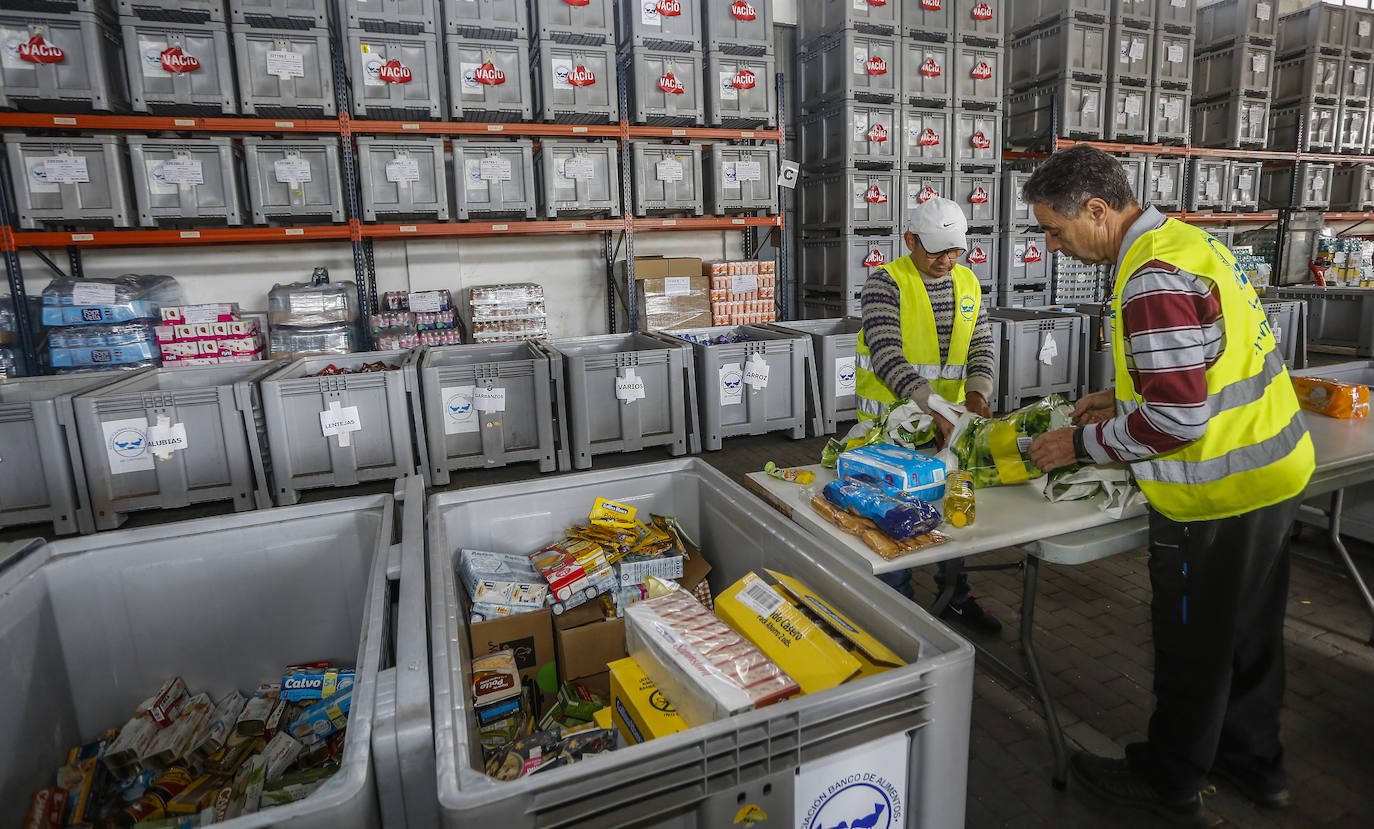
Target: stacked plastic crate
{"points": [[661, 56], [572, 61], [1236, 68], [1321, 88], [283, 60], [394, 63], [1025, 276], [486, 47], [61, 55], [1057, 70], [177, 57]]}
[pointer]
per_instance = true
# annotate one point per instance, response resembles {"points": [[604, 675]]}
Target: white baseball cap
{"points": [[939, 224]]}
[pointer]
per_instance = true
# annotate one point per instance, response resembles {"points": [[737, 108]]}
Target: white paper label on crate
{"points": [[728, 90], [1213, 189], [472, 176], [183, 172], [340, 421], [677, 286], [1244, 180], [756, 372], [460, 415], [1137, 50], [491, 399], [1178, 4], [495, 168], [731, 378], [853, 785], [1132, 105], [289, 171], [65, 169], [744, 283], [629, 386], [860, 5], [788, 173], [1263, 11], [1164, 184], [845, 376], [165, 437], [1318, 182], [1174, 54], [580, 167], [1363, 28], [1089, 105], [1258, 63], [1173, 109], [286, 64], [1049, 349], [93, 293], [403, 169], [668, 169], [748, 171], [126, 445]]}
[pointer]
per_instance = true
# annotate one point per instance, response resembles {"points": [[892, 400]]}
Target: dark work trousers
{"points": [[1220, 589]]}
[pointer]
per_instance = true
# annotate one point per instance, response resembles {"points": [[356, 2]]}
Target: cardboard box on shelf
{"points": [[586, 650], [530, 636], [672, 292]]}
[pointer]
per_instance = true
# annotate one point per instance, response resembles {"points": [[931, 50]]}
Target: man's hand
{"points": [[1053, 450], [945, 427], [977, 404], [1095, 408]]}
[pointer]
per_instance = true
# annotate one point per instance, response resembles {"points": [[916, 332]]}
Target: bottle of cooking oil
{"points": [[959, 498]]}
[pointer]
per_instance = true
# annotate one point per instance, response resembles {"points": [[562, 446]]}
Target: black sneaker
{"points": [[1114, 780], [972, 616], [1255, 791]]}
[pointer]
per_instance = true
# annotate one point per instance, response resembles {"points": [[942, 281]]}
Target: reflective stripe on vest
{"points": [[926, 370], [1255, 450]]}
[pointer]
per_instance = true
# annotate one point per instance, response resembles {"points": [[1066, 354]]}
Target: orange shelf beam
{"points": [[152, 238], [27, 120], [707, 223], [1350, 217], [477, 128], [455, 229]]}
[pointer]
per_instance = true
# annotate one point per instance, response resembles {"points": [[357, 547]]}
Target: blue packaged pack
{"points": [[894, 470]]}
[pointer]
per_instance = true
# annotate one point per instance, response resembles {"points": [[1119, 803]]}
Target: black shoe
{"points": [[1255, 791], [972, 616], [1114, 780]]}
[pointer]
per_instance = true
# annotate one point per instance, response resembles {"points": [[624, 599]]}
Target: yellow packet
{"points": [[612, 513]]}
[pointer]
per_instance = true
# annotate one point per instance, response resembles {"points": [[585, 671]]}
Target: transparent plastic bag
{"points": [[996, 451], [290, 341], [899, 516], [317, 302], [117, 299]]}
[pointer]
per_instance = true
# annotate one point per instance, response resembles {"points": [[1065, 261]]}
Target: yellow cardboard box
{"points": [[638, 709]]}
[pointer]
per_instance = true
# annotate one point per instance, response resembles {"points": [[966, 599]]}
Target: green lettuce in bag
{"points": [[996, 451]]}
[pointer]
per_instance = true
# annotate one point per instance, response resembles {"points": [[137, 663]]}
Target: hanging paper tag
{"points": [[845, 377], [66, 169], [731, 379], [1174, 54], [426, 302], [291, 171], [756, 371], [93, 293], [1049, 349], [340, 421], [286, 64], [1089, 105], [1258, 63], [677, 286], [1137, 49], [668, 170], [403, 169], [1244, 180], [165, 437], [1173, 109], [629, 387], [495, 169], [1164, 184], [489, 399], [183, 172], [1362, 28], [1263, 11], [1132, 105]]}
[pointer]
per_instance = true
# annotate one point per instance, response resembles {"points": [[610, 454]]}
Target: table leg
{"points": [[1333, 533], [953, 567], [1028, 587]]}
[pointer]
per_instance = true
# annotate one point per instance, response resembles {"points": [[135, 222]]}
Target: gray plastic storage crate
{"points": [[223, 456], [453, 434], [295, 401], [850, 134], [1130, 60], [1356, 76], [821, 17], [1016, 211], [667, 178], [743, 92], [1303, 126], [1341, 317], [1071, 48], [695, 778], [662, 25], [850, 64], [1352, 188], [402, 177], [738, 27], [1234, 122], [185, 180], [63, 192], [284, 72], [978, 138], [1359, 30], [196, 12], [1024, 260], [740, 177], [1243, 186], [843, 264], [823, 306], [850, 201], [1288, 321], [1080, 108], [665, 87], [976, 194], [179, 68], [1163, 183], [1024, 375], [186, 585], [981, 257], [1170, 116], [1022, 300], [1176, 15], [1076, 282], [1321, 25], [1314, 185], [488, 81], [728, 405], [927, 73], [276, 188], [1128, 118], [494, 178], [605, 410], [979, 21], [90, 74], [280, 14], [831, 375], [587, 24], [928, 137], [1207, 184], [978, 75], [1307, 75], [922, 187], [1173, 60], [1253, 20], [47, 480], [574, 83], [394, 76], [933, 22], [1352, 129], [578, 178], [487, 19], [1247, 69], [409, 17], [1135, 174]]}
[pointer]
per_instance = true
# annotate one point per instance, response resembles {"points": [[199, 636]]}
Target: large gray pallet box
{"points": [[1135, 174], [502, 188], [1357, 78], [821, 17], [981, 257], [1243, 186], [409, 17], [927, 73], [303, 457], [1130, 59], [1080, 108], [1176, 15], [47, 480], [1314, 185], [369, 56], [695, 778], [666, 87], [478, 92], [1128, 114], [389, 189], [841, 264], [1024, 376], [1352, 188], [592, 99], [730, 187], [1359, 31], [928, 137], [598, 421], [740, 91], [979, 21], [1321, 25], [1352, 129], [918, 188], [89, 76], [849, 201], [589, 24], [850, 64], [453, 434], [978, 75], [1254, 20], [977, 138], [738, 27], [850, 134], [1341, 317], [590, 188], [1162, 184], [283, 93], [779, 405], [665, 25], [487, 19], [919, 21], [280, 14], [668, 177], [1020, 300], [976, 195], [1245, 68], [1207, 184], [1024, 260], [1173, 60], [1288, 322], [196, 12], [223, 460], [825, 306], [1308, 75], [1071, 48], [831, 375], [1233, 122], [269, 197], [151, 46], [1016, 211], [186, 585], [219, 196], [102, 199], [1304, 126], [1170, 113]]}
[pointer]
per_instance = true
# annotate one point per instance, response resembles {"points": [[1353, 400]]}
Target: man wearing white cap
{"points": [[925, 331]]}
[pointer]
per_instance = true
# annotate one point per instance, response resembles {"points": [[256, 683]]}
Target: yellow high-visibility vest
{"points": [[1256, 450]]}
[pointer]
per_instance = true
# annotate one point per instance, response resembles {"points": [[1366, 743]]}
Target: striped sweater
{"points": [[881, 303]]}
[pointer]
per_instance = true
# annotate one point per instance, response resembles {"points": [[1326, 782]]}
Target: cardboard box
{"points": [[583, 614], [639, 712], [672, 292], [530, 635], [587, 650], [599, 684]]}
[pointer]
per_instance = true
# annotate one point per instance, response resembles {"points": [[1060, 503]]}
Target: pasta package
{"points": [[1332, 397]]}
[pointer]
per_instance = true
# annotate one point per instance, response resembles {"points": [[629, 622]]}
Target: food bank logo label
{"points": [[862, 788], [126, 445], [460, 415], [967, 307]]}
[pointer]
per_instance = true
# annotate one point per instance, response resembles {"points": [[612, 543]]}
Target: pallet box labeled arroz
{"points": [[69, 181], [574, 83], [741, 177], [494, 178], [179, 69], [394, 76], [62, 62], [186, 180], [403, 177], [578, 178], [293, 178], [488, 81], [284, 73]]}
